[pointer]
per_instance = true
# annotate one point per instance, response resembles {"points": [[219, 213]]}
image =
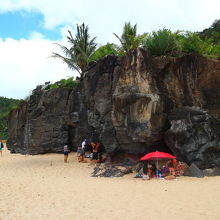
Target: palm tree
{"points": [[129, 38], [77, 56]]}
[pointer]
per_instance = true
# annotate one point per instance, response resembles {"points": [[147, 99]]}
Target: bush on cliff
{"points": [[191, 42], [161, 42], [212, 32], [108, 49], [63, 83]]}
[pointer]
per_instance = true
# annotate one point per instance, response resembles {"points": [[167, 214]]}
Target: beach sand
{"points": [[43, 187]]}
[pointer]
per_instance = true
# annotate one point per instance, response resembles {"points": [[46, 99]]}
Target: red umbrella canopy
{"points": [[157, 155]]}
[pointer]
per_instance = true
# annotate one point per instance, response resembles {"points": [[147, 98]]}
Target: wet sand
{"points": [[43, 187]]}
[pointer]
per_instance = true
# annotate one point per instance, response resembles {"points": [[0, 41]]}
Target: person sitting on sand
{"points": [[145, 173], [66, 152], [148, 171], [165, 170], [81, 154], [154, 169], [172, 166]]}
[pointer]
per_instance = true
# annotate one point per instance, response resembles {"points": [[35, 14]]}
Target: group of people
{"points": [[94, 151], [168, 171]]}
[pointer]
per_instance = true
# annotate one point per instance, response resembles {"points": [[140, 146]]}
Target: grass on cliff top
{"points": [[63, 83]]}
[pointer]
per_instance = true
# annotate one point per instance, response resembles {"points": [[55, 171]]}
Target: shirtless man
{"points": [[95, 147]]}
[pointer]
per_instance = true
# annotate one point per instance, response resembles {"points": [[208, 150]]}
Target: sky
{"points": [[29, 29]]}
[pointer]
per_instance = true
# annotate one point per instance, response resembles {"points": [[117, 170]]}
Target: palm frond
{"points": [[77, 56]]}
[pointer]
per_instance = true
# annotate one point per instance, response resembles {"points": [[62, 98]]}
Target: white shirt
{"points": [[66, 148], [83, 145]]}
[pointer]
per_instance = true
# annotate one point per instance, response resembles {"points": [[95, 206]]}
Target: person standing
{"points": [[95, 147], [1, 147], [66, 152], [101, 150], [84, 145]]}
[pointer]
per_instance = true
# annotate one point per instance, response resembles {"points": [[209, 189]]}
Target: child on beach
{"points": [[66, 152]]}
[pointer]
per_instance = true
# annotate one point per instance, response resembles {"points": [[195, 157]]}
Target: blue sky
{"points": [[29, 29], [21, 24]]}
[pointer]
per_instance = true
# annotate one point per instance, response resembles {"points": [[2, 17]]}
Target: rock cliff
{"points": [[129, 105]]}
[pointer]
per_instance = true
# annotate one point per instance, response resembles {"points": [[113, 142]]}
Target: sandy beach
{"points": [[43, 187]]}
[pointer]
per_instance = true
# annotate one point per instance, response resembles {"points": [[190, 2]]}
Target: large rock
{"points": [[194, 171], [43, 123], [16, 125], [194, 137], [122, 102]]}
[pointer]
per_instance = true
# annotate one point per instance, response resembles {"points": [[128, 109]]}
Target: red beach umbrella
{"points": [[157, 155]]}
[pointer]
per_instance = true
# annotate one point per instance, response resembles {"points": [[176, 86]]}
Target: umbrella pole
{"points": [[157, 168]]}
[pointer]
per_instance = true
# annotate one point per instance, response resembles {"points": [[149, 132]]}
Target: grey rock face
{"points": [[16, 125], [45, 120], [194, 171], [126, 104], [194, 137], [212, 172]]}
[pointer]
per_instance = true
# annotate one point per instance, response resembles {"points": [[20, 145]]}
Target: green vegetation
{"points": [[191, 43], [78, 55], [212, 33], [162, 42], [129, 38], [108, 49], [6, 105], [63, 83], [159, 43]]}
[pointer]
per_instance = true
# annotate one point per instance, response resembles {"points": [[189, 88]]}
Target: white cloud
{"points": [[36, 35], [106, 17], [26, 64]]}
